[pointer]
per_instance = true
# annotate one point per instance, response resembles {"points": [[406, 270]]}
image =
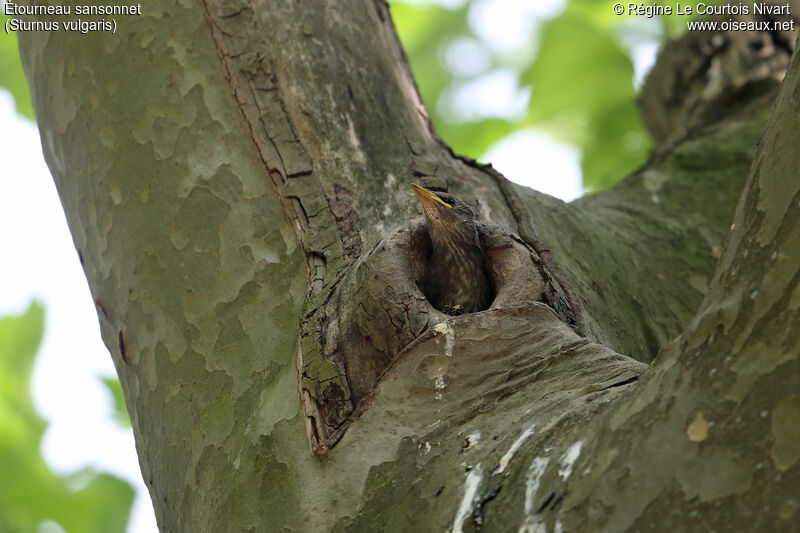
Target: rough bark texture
{"points": [[377, 309], [225, 165]]}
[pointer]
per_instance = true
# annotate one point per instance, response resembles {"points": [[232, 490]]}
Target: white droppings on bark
{"points": [[442, 327], [440, 385], [653, 181], [506, 459], [448, 344], [534, 523], [567, 460], [469, 499], [447, 331], [434, 425], [472, 440], [358, 153]]}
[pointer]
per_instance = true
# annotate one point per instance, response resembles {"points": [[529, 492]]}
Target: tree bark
{"points": [[231, 170]]}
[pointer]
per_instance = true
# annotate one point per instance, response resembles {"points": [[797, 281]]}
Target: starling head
{"points": [[450, 221], [455, 280]]}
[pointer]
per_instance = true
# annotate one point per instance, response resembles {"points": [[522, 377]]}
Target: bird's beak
{"points": [[429, 199]]}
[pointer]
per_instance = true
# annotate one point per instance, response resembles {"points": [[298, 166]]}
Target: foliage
{"points": [[32, 493], [12, 78], [425, 31], [120, 413], [576, 64]]}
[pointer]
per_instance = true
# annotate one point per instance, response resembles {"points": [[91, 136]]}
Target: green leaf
{"points": [[580, 70], [425, 31], [583, 94], [19, 340], [32, 493], [617, 145], [582, 81], [12, 77], [475, 138], [120, 414]]}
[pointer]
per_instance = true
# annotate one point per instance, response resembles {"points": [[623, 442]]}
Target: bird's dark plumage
{"points": [[455, 279]]}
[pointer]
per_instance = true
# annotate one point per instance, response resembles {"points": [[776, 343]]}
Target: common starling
{"points": [[455, 280]]}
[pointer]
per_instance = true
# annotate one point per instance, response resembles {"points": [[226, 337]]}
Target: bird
{"points": [[455, 280]]}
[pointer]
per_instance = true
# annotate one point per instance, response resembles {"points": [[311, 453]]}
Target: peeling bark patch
{"points": [[218, 421], [198, 213], [778, 187], [469, 499], [755, 360], [786, 432], [698, 429], [161, 124], [714, 473]]}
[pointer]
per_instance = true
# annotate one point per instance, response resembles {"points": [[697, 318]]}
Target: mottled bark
{"points": [[228, 168]]}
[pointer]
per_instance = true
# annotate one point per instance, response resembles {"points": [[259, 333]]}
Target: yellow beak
{"points": [[429, 198]]}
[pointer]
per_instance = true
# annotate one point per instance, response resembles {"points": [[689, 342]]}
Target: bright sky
{"points": [[41, 262]]}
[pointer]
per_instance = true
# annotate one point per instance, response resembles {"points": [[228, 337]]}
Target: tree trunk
{"points": [[236, 179]]}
